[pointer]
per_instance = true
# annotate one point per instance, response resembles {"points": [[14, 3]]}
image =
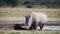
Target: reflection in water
{"points": [[50, 28]]}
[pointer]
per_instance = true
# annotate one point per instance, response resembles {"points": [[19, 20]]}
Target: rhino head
{"points": [[27, 19]]}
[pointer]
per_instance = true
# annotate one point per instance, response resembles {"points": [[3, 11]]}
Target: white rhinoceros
{"points": [[35, 19]]}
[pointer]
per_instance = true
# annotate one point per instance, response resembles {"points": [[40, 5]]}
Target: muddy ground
{"points": [[10, 25]]}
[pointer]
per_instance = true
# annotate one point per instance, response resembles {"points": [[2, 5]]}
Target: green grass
{"points": [[28, 32], [18, 14]]}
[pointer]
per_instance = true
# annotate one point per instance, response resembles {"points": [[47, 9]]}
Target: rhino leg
{"points": [[41, 26]]}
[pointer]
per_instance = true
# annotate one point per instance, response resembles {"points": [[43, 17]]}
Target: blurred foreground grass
{"points": [[28, 32], [18, 14]]}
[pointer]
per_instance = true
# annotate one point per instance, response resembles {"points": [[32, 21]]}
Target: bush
{"points": [[29, 6]]}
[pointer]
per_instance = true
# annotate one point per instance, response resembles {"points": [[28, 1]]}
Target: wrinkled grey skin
{"points": [[35, 19], [33, 25]]}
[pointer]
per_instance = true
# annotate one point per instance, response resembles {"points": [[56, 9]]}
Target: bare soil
{"points": [[10, 25]]}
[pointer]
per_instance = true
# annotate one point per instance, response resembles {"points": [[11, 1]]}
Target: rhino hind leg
{"points": [[41, 26]]}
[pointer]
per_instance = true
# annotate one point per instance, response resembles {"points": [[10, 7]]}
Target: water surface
{"points": [[50, 28]]}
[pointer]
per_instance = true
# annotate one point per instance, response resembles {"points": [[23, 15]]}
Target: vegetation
{"points": [[18, 14], [28, 32], [47, 3]]}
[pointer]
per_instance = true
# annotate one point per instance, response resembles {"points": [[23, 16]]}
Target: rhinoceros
{"points": [[35, 19]]}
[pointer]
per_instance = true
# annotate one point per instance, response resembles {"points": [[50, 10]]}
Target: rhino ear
{"points": [[27, 16]]}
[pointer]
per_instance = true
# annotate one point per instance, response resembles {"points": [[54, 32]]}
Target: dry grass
{"points": [[28, 32], [17, 14]]}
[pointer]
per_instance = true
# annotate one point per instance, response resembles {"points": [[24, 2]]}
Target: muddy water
{"points": [[48, 26], [10, 27]]}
